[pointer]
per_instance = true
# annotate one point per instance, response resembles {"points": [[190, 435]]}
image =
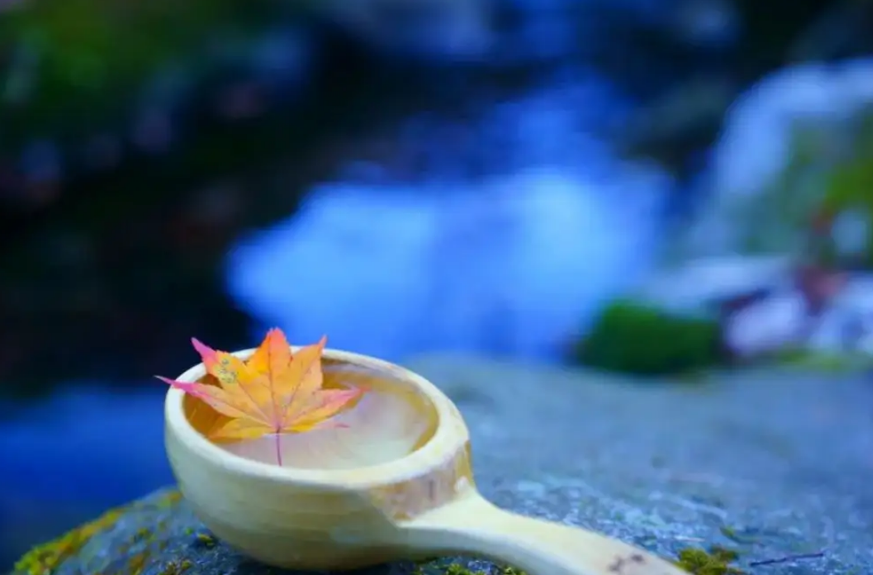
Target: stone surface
{"points": [[783, 458], [769, 463]]}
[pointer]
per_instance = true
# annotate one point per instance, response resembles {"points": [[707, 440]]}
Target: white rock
{"points": [[699, 283], [772, 324], [851, 232], [865, 341], [851, 315], [830, 332], [860, 292], [857, 293]]}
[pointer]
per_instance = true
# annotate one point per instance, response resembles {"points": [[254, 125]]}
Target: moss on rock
{"points": [[640, 339], [438, 567], [716, 561], [47, 558], [44, 559], [160, 535]]}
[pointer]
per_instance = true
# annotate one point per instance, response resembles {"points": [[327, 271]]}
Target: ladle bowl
{"points": [[419, 505]]}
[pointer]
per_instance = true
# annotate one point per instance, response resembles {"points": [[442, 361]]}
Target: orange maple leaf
{"points": [[272, 392]]}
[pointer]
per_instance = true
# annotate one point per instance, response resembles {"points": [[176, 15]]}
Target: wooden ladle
{"points": [[420, 505]]}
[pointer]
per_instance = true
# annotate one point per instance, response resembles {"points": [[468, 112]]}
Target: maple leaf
{"points": [[273, 392]]}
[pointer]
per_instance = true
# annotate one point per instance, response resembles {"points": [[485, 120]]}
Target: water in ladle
{"points": [[392, 419]]}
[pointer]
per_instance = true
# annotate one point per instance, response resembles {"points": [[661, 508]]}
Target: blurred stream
{"points": [[503, 244]]}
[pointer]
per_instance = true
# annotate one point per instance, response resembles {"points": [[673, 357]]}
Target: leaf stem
{"points": [[279, 449]]}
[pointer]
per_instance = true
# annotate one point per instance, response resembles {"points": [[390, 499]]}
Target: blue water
{"points": [[69, 458]]}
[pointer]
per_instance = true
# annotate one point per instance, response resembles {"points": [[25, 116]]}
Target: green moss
{"points": [[639, 339], [46, 558], [716, 561], [142, 535], [176, 567], [849, 182], [825, 361], [435, 567], [455, 569], [43, 560], [206, 539], [170, 499], [137, 563], [731, 533], [830, 172]]}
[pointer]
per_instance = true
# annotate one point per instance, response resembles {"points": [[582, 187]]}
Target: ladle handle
{"points": [[474, 526]]}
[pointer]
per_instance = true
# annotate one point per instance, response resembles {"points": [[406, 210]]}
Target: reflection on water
{"points": [[389, 421]]}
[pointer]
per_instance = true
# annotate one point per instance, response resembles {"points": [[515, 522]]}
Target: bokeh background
{"points": [[655, 187]]}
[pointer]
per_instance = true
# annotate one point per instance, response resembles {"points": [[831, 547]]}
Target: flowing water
{"points": [[506, 241]]}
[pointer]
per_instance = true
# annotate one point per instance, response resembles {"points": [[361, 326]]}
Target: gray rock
{"points": [[780, 461], [768, 463], [700, 284]]}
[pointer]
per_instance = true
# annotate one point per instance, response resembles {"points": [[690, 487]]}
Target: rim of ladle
{"points": [[442, 446]]}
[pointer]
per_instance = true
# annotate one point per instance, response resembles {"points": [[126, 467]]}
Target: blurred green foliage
{"points": [[816, 209], [639, 339], [829, 173], [829, 362], [65, 62], [849, 184]]}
